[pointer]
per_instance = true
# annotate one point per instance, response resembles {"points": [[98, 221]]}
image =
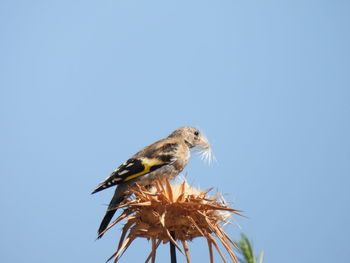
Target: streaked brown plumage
{"points": [[165, 158]]}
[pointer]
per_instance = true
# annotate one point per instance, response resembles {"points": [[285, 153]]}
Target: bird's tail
{"points": [[119, 196], [105, 222]]}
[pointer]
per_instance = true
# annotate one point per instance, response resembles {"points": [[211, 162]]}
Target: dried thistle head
{"points": [[170, 213]]}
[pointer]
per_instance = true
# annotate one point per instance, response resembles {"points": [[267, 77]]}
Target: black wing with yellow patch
{"points": [[133, 168]]}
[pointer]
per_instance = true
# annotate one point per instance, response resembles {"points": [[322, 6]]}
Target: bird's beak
{"points": [[204, 142], [204, 149]]}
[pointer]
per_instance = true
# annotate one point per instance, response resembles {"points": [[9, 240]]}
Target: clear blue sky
{"points": [[85, 84]]}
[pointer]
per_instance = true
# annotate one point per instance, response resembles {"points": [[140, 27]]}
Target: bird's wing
{"points": [[144, 162]]}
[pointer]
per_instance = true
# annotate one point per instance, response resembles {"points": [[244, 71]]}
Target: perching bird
{"points": [[165, 158]]}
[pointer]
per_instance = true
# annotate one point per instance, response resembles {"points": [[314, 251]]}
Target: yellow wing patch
{"points": [[147, 164]]}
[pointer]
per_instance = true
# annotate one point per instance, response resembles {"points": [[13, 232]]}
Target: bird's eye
{"points": [[196, 133]]}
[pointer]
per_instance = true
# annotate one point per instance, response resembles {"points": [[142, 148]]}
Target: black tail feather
{"points": [[119, 196], [112, 208], [105, 222]]}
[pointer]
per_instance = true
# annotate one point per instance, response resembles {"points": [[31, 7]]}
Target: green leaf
{"points": [[247, 251]]}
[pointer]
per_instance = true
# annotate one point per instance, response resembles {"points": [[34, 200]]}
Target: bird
{"points": [[164, 159]]}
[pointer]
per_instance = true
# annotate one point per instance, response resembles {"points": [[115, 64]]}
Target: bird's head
{"points": [[194, 138]]}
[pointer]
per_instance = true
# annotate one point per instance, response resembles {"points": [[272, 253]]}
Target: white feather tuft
{"points": [[206, 154]]}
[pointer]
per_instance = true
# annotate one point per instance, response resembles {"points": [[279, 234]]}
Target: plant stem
{"points": [[172, 249]]}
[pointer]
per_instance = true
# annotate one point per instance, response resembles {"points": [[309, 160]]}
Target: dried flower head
{"points": [[171, 213]]}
